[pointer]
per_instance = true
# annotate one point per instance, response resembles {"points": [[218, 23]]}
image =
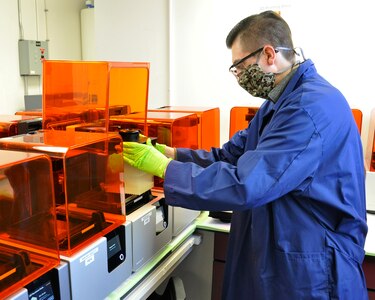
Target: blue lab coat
{"points": [[295, 181]]}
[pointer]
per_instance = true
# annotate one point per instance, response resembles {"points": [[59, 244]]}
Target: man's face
{"points": [[241, 58]]}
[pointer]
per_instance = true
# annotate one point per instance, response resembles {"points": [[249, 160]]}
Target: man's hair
{"points": [[257, 30]]}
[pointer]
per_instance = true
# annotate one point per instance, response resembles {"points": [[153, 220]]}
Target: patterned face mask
{"points": [[256, 82]]}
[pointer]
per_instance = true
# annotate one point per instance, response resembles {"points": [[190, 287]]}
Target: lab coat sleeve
{"points": [[287, 154], [230, 152]]}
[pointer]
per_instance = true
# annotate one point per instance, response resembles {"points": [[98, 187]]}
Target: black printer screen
{"points": [[42, 292], [114, 246]]}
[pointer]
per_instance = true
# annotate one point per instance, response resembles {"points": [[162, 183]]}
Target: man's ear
{"points": [[270, 53]]}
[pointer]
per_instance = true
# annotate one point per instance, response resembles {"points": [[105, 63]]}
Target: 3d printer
{"points": [[208, 136], [18, 124], [90, 204], [28, 239], [155, 221], [87, 172], [83, 97], [175, 129]]}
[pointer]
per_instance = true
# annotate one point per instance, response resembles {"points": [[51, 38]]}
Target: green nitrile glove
{"points": [[146, 158], [159, 147]]}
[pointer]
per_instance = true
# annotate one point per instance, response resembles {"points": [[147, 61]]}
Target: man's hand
{"points": [[159, 147], [145, 158], [163, 149]]}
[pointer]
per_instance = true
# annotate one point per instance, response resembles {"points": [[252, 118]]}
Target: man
{"points": [[294, 178]]}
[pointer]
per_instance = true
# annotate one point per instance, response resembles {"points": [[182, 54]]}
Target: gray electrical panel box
{"points": [[31, 55]]}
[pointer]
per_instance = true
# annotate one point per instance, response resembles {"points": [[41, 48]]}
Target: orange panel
{"points": [[240, 116], [209, 123], [357, 114], [33, 113], [28, 243], [174, 129], [82, 95], [74, 92]]}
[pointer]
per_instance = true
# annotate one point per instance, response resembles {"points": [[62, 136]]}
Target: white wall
{"points": [[136, 31], [200, 59], [61, 25], [64, 28], [336, 35], [11, 87]]}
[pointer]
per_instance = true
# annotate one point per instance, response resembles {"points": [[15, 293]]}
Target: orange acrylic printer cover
{"points": [[32, 113], [28, 235], [357, 114], [208, 126], [88, 181], [173, 129], [83, 95], [240, 116]]}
